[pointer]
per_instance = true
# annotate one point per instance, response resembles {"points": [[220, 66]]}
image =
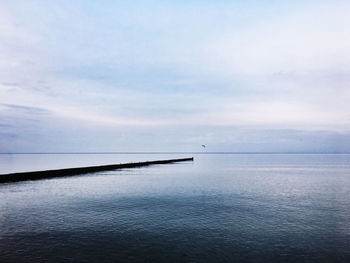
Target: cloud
{"points": [[265, 65], [25, 109], [310, 38]]}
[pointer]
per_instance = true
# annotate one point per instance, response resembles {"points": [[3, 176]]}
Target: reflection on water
{"points": [[220, 208]]}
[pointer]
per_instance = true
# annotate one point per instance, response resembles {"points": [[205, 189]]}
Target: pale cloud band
{"points": [[167, 68]]}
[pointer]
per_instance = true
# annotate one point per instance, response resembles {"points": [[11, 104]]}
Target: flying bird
{"points": [[203, 146]]}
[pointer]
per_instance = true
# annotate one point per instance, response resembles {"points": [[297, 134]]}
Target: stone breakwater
{"points": [[36, 175]]}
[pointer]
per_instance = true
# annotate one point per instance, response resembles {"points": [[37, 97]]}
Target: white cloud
{"points": [[314, 38], [172, 65]]}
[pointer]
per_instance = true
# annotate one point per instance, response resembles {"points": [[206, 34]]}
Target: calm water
{"points": [[220, 208]]}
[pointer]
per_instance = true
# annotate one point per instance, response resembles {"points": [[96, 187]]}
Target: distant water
{"points": [[220, 208]]}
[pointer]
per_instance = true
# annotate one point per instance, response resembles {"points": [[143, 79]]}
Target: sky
{"points": [[237, 76]]}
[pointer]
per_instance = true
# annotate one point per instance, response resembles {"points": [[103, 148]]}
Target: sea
{"points": [[218, 208]]}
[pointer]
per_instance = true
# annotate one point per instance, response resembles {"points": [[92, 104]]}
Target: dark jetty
{"points": [[17, 177]]}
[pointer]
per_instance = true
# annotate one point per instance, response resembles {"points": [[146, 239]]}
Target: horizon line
{"points": [[177, 152]]}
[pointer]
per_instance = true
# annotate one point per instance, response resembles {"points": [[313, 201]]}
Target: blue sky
{"points": [[172, 75]]}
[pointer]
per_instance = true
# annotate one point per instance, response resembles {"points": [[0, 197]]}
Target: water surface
{"points": [[220, 208]]}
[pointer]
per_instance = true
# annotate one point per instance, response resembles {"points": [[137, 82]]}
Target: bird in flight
{"points": [[203, 146]]}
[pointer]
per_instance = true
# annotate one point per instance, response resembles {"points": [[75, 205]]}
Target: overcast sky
{"points": [[253, 75]]}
